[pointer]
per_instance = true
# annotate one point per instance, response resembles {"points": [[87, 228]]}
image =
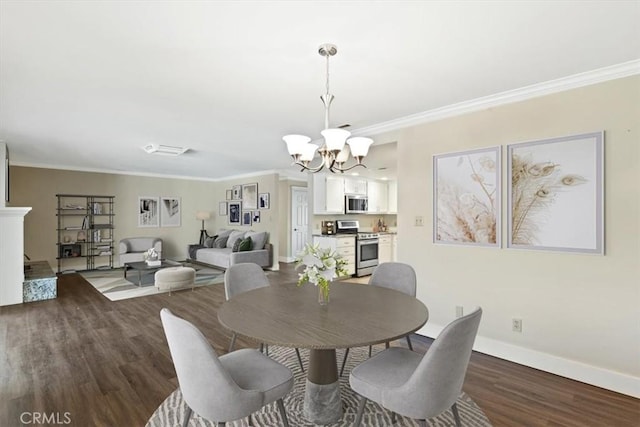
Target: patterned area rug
{"points": [[113, 285], [172, 411]]}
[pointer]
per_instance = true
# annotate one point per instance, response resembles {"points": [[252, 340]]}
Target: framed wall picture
{"points": [[69, 251], [233, 217], [170, 212], [256, 217], [466, 197], [148, 212], [263, 201], [556, 194], [246, 217], [222, 208], [250, 196], [229, 194], [236, 192]]}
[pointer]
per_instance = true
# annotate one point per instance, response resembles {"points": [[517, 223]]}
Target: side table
{"points": [[40, 283]]}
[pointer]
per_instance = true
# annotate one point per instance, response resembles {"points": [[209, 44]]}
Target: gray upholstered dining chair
{"points": [[223, 388], [419, 386], [392, 275], [243, 277]]}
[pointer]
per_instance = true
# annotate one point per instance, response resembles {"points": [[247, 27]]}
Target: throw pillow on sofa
{"points": [[208, 242], [220, 242], [245, 245], [235, 235], [259, 239], [236, 245], [223, 232]]}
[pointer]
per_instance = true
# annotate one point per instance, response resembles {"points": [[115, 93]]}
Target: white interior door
{"points": [[299, 219]]}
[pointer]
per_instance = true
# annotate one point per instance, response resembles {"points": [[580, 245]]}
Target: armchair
{"points": [[132, 249]]}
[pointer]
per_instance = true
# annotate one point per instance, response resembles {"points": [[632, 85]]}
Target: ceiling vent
{"points": [[166, 150]]}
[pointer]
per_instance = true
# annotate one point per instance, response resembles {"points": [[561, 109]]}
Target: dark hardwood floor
{"points": [[107, 364]]}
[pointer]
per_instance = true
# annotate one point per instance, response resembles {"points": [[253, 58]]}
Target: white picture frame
{"points": [[555, 198], [247, 217], [236, 192], [170, 212], [263, 200], [250, 196], [467, 197], [148, 211], [222, 208], [235, 211]]}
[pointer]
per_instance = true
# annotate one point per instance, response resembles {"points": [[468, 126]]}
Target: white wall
{"points": [[581, 313]]}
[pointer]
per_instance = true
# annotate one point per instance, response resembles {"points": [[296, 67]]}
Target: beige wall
{"points": [[269, 218], [578, 311], [37, 188]]}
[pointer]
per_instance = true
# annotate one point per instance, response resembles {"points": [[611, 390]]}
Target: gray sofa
{"points": [[132, 249], [218, 250]]}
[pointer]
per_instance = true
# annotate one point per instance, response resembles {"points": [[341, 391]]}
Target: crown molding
{"points": [[575, 81], [144, 174]]}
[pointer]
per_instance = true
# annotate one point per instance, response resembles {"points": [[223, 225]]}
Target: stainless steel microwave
{"points": [[355, 204]]}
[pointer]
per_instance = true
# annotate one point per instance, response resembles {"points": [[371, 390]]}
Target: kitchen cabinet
{"points": [[355, 186], [385, 253], [328, 194], [345, 246], [377, 195], [394, 247], [392, 190]]}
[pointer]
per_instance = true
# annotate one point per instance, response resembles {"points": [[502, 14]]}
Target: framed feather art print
{"points": [[555, 194]]}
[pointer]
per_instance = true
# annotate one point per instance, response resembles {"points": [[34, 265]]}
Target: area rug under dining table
{"points": [[113, 285], [172, 410]]}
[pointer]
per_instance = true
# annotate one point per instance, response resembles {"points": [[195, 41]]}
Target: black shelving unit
{"points": [[85, 231]]}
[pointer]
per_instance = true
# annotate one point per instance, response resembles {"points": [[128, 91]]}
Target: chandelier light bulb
{"points": [[334, 139], [308, 152], [359, 145], [296, 143]]}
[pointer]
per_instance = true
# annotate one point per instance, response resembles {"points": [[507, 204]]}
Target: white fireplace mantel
{"points": [[11, 254]]}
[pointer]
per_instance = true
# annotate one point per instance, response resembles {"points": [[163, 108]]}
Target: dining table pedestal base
{"points": [[322, 403]]}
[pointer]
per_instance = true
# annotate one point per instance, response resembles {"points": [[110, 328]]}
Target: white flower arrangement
{"points": [[321, 266], [152, 258], [151, 254]]}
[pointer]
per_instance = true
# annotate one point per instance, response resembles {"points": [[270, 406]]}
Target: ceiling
{"points": [[84, 85]]}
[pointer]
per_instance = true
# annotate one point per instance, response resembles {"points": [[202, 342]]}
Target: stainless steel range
{"points": [[366, 246], [366, 253]]}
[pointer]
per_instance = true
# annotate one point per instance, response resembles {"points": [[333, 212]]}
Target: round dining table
{"points": [[290, 316]]}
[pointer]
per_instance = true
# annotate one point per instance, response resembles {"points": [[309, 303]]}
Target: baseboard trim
{"points": [[286, 259], [572, 369]]}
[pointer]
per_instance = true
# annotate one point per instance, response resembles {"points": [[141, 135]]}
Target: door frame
{"points": [[290, 255]]}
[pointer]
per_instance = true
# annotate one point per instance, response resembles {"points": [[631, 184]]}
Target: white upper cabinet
{"points": [[392, 187], [328, 194], [355, 186], [377, 195]]}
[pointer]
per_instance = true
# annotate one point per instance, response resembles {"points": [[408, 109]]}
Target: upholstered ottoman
{"points": [[175, 278]]}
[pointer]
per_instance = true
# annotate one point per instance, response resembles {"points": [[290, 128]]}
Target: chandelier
{"points": [[334, 153]]}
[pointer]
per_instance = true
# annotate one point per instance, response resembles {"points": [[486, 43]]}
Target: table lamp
{"points": [[202, 216]]}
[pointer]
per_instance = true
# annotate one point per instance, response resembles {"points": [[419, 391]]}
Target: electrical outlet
{"points": [[516, 325], [419, 221], [459, 311]]}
